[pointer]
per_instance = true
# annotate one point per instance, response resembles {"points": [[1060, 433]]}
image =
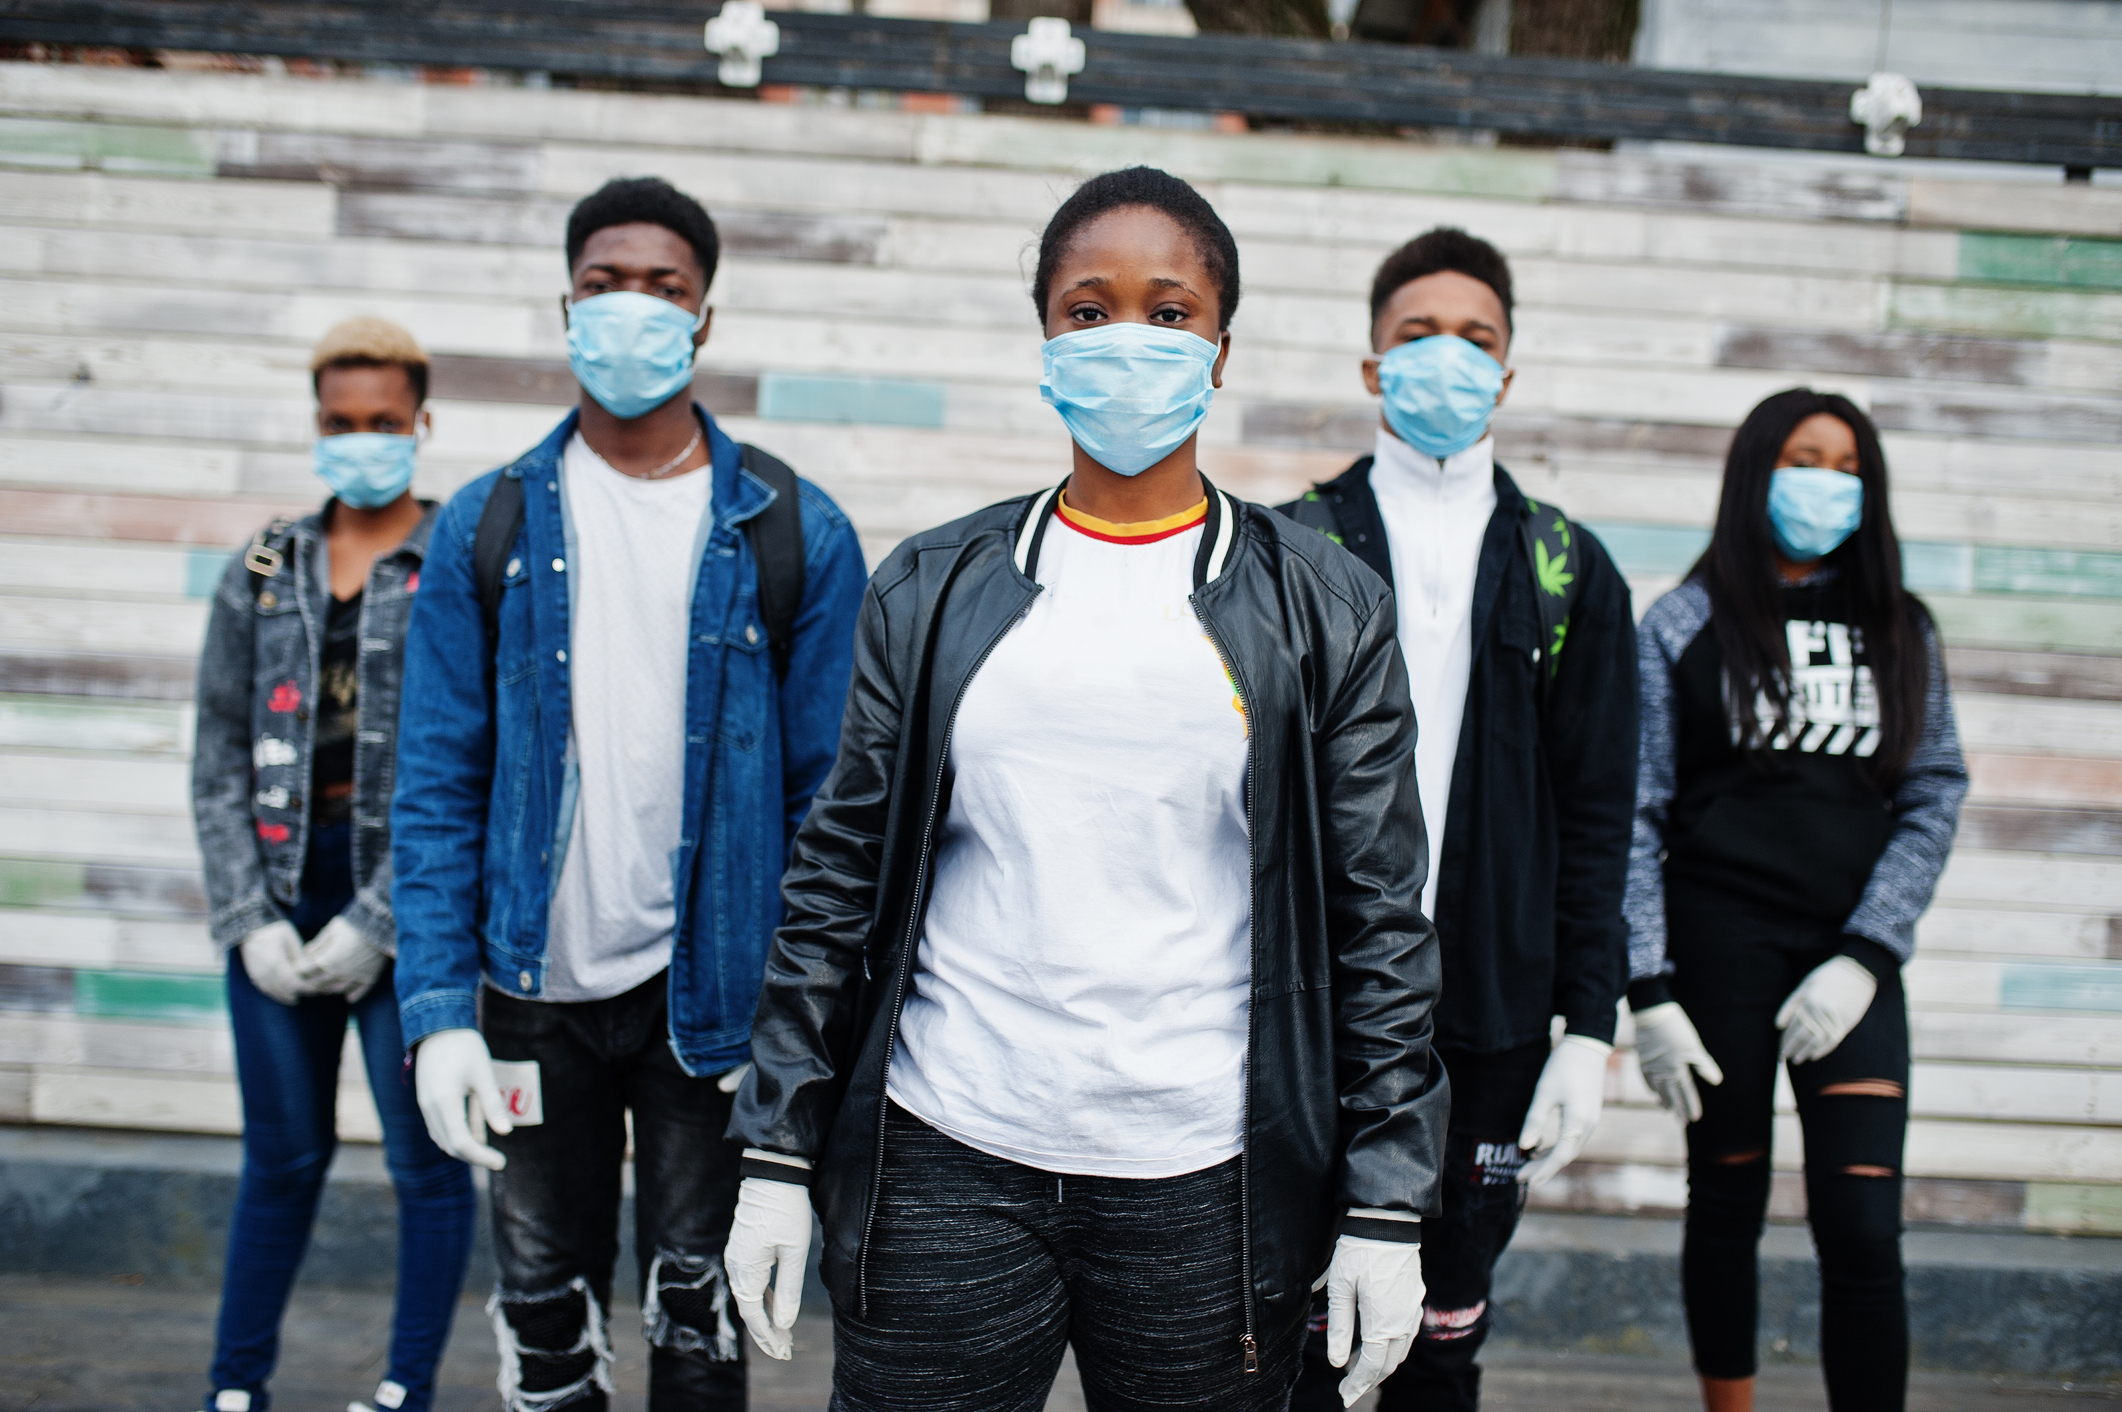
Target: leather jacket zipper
{"points": [[1248, 1345], [906, 961]]}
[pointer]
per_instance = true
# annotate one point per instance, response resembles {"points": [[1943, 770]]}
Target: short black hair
{"points": [[625, 200], [1160, 191], [1435, 251]]}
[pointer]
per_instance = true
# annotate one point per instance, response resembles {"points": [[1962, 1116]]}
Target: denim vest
{"points": [[257, 731]]}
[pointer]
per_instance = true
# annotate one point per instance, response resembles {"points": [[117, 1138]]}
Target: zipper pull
{"points": [[1252, 1353]]}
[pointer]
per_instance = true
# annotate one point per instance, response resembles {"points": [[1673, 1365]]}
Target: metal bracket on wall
{"points": [[1048, 55], [743, 36], [1886, 108]]}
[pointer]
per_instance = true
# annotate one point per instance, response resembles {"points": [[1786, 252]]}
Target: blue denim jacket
{"points": [[257, 732], [486, 793]]}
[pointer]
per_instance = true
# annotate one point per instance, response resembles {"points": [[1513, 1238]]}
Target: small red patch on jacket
{"points": [[273, 833], [412, 584], [286, 697]]}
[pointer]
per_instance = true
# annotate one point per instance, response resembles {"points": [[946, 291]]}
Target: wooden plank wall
{"points": [[171, 244]]}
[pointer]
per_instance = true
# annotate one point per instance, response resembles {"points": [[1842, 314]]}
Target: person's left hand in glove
{"points": [[1824, 1008], [1571, 1091], [1380, 1283], [339, 960]]}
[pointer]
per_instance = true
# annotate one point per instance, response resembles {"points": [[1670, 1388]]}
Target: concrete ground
{"points": [[76, 1344]]}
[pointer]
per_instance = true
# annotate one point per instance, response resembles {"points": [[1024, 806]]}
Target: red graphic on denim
{"points": [[412, 585], [273, 833], [1442, 1325], [286, 697]]}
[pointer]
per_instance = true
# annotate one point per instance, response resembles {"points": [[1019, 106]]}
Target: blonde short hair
{"points": [[369, 342]]}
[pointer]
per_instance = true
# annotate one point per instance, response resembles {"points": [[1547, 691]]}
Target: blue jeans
{"points": [[287, 1064]]}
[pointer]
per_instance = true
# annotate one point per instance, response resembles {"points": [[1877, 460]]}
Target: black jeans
{"points": [[556, 1208], [1490, 1096], [980, 1272], [1734, 964]]}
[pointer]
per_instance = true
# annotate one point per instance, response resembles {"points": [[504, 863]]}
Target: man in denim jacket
{"points": [[594, 808]]}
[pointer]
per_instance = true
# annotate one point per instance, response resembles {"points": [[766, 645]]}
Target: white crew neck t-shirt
{"points": [[1081, 989], [629, 600], [1436, 515]]}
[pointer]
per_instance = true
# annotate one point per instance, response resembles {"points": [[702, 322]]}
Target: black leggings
{"points": [[982, 1270], [1734, 965]]}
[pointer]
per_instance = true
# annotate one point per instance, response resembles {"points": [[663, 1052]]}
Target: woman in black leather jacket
{"points": [[1101, 1014]]}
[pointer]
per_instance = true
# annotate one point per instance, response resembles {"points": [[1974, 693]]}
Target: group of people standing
{"points": [[1132, 919]]}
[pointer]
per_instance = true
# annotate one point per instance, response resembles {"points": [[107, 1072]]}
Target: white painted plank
{"points": [[2035, 881], [126, 362], [99, 463], [98, 566], [104, 200], [2061, 936], [2017, 1037], [71, 782], [112, 1098], [75, 1041], [91, 625], [2033, 725], [81, 835], [98, 941], [58, 723]]}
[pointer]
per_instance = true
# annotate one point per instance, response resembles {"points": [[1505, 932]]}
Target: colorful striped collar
{"points": [[1141, 532]]}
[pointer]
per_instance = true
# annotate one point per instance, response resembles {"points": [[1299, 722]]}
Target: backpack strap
{"points": [[267, 552], [1312, 511], [1548, 537], [499, 524], [776, 538]]}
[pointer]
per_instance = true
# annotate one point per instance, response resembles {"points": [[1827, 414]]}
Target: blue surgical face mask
{"points": [[1130, 394], [367, 469], [1439, 393], [1812, 510], [632, 352]]}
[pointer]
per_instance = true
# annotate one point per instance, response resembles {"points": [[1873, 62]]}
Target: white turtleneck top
{"points": [[1436, 514]]}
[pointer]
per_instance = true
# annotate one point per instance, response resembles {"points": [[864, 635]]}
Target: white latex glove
{"points": [[272, 958], [734, 1079], [341, 961], [1380, 1282], [1571, 1091], [1824, 1008], [1671, 1052], [451, 1068], [770, 1235]]}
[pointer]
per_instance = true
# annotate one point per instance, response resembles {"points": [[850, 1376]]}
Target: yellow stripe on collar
{"points": [[1140, 529]]}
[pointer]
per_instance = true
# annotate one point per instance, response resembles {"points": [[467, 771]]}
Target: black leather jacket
{"points": [[1345, 1105]]}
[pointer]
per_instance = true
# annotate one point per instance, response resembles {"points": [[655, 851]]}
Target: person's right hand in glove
{"points": [[450, 1068], [770, 1236], [1380, 1282], [1671, 1054], [272, 958]]}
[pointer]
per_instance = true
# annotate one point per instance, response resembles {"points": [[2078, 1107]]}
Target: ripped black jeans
{"points": [[556, 1208], [1734, 964]]}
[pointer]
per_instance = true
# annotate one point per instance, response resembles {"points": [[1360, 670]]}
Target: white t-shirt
{"points": [[1436, 514], [1080, 993], [630, 603]]}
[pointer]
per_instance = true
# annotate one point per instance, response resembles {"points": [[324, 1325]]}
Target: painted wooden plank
{"points": [[115, 889], [57, 723], [2044, 779], [1996, 416], [167, 1102], [2002, 568], [1953, 931], [2004, 672], [2093, 832], [134, 678], [79, 565], [1977, 205], [86, 624], [2085, 1038], [72, 781], [102, 941], [344, 159], [113, 147], [90, 836], [548, 382], [2072, 262], [69, 1041], [1887, 355], [120, 361], [1939, 982], [89, 464], [106, 200], [2027, 880], [2005, 312], [164, 519], [2059, 625]]}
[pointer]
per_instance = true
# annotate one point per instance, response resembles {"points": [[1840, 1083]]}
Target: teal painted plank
{"points": [[1931, 567], [1650, 549], [202, 572], [147, 995], [794, 397], [2028, 624], [109, 147], [2006, 313], [2062, 572], [2074, 262], [2060, 987]]}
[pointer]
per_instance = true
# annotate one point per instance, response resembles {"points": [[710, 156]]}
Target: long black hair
{"points": [[1745, 591]]}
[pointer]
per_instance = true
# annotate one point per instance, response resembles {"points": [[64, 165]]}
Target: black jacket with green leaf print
{"points": [[1534, 860]]}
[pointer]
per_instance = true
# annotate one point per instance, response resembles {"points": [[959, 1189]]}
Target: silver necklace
{"points": [[674, 462]]}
